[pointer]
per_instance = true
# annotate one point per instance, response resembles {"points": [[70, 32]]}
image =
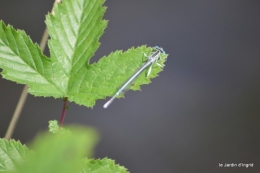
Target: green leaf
{"points": [[100, 166], [60, 153], [74, 30], [12, 153], [23, 62], [55, 128], [105, 77]]}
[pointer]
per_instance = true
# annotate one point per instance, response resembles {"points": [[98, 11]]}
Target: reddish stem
{"points": [[65, 100]]}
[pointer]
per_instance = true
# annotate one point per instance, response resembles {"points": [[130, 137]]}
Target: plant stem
{"points": [[63, 113], [17, 113], [22, 99]]}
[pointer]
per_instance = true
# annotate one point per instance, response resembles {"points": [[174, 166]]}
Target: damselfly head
{"points": [[159, 49]]}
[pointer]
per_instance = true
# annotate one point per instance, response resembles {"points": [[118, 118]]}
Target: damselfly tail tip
{"points": [[107, 104], [110, 101]]}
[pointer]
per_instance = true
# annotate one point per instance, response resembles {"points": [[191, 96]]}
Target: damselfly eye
{"points": [[160, 49]]}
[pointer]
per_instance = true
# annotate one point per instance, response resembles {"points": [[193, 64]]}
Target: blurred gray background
{"points": [[202, 110]]}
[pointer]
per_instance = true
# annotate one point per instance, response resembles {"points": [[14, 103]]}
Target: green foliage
{"points": [[59, 153], [74, 31], [104, 165], [23, 62], [12, 153], [55, 128]]}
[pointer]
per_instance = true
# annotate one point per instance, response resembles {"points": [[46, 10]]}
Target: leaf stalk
{"points": [[63, 113]]}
